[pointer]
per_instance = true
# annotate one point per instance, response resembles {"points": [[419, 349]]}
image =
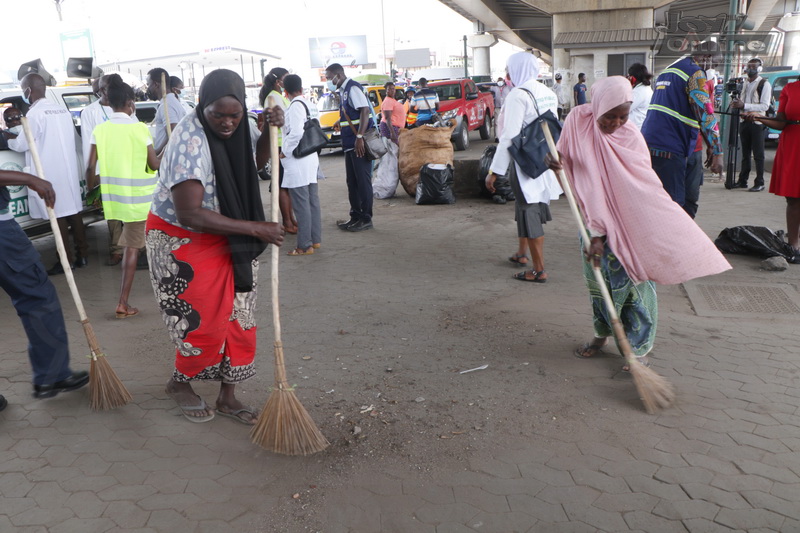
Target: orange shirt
{"points": [[397, 109]]}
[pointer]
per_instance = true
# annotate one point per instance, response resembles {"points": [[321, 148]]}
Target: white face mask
{"points": [[16, 130], [501, 83]]}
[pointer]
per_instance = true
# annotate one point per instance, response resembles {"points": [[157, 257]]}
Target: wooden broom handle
{"points": [[619, 331], [62, 251], [274, 211], [166, 106]]}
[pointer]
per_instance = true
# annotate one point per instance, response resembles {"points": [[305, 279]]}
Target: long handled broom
{"points": [[655, 391], [284, 425], [166, 106], [106, 391]]}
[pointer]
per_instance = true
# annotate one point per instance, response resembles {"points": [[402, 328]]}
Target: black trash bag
{"points": [[756, 240], [435, 185], [502, 187]]}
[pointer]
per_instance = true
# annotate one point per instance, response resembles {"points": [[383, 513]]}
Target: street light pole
{"points": [[466, 71]]}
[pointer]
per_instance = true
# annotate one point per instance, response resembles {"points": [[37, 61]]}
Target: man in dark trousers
{"points": [[34, 297], [756, 97], [680, 110], [354, 121]]}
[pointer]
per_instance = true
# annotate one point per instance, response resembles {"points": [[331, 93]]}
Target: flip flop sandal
{"points": [[300, 251], [598, 349], [536, 276], [517, 259], [642, 361], [132, 311], [236, 415], [185, 409]]}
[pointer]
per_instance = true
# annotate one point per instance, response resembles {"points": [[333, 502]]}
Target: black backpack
{"points": [[771, 109]]}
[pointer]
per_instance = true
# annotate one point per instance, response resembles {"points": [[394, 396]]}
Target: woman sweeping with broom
{"points": [[639, 236], [204, 232]]}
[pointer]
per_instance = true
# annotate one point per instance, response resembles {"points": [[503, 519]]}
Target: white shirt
{"points": [[519, 110], [297, 172], [753, 101], [54, 134], [642, 94], [176, 113], [562, 93], [92, 115]]}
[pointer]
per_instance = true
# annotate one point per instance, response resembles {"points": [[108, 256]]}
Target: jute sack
{"points": [[421, 146]]}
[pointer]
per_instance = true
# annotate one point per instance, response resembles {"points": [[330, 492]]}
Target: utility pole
{"points": [[58, 8], [466, 70]]}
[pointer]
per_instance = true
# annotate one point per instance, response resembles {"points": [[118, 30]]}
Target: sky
{"points": [[151, 29]]}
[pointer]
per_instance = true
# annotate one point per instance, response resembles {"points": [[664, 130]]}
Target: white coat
{"points": [[297, 172], [54, 134]]}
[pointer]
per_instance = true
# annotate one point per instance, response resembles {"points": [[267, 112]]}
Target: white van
{"points": [[74, 99]]}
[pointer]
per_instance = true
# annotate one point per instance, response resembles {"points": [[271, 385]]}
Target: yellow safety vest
{"points": [[126, 184]]}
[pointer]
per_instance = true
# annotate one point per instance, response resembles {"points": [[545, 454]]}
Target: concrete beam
{"points": [[760, 10], [572, 6]]}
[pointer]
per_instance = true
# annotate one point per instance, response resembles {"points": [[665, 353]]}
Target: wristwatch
{"points": [[359, 136]]}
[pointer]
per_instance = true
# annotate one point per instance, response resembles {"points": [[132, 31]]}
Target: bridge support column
{"points": [[480, 44]]}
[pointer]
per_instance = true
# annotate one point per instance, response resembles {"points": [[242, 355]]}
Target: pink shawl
{"points": [[622, 197]]}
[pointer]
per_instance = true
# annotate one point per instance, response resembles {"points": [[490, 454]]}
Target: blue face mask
{"points": [[25, 98], [331, 86]]}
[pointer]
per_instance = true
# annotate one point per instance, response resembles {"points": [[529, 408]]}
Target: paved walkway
{"points": [[539, 441]]}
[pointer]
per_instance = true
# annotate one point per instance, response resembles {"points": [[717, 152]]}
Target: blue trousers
{"points": [[672, 172], [359, 185], [34, 297]]}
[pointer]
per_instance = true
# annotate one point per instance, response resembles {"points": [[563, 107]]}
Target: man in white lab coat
{"points": [[54, 134], [93, 115]]}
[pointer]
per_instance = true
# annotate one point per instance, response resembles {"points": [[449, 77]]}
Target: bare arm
{"points": [[91, 170], [188, 199], [153, 161], [42, 187]]}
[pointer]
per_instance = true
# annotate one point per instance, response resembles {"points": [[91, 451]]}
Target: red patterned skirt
{"points": [[212, 326]]}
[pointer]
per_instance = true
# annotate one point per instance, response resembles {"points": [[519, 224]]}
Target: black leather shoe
{"points": [[56, 270], [3, 402], [361, 225], [756, 188], [740, 185], [74, 382], [80, 262], [344, 225]]}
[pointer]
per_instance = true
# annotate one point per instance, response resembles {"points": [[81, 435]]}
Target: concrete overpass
{"points": [[599, 37]]}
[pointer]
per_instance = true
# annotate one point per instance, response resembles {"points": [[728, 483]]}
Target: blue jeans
{"points": [[34, 297], [672, 173]]}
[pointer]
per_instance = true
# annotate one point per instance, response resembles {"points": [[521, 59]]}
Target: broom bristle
{"points": [[106, 391], [285, 426], [654, 390]]}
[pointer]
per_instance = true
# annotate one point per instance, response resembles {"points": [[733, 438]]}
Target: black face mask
{"points": [[752, 72]]}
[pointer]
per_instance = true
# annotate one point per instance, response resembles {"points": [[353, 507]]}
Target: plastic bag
{"points": [[502, 187], [387, 174], [756, 240], [435, 185]]}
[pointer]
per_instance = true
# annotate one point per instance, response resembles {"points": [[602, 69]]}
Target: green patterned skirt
{"points": [[636, 304]]}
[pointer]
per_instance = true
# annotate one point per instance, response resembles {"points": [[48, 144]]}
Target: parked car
{"points": [[778, 80], [74, 99], [460, 100]]}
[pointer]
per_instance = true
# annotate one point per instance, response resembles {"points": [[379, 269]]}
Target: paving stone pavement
{"points": [[555, 444]]}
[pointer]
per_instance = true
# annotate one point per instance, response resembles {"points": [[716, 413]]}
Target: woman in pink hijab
{"points": [[640, 237]]}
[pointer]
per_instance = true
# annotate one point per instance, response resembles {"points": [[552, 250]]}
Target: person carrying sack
{"points": [[354, 122], [533, 194]]}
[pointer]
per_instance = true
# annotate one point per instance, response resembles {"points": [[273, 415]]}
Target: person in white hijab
{"points": [[533, 195]]}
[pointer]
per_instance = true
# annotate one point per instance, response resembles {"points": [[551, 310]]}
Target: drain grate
{"points": [[743, 300]]}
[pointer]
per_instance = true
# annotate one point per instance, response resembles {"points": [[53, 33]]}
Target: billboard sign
{"points": [[412, 58], [349, 51]]}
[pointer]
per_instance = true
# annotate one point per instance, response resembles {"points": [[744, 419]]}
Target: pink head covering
{"points": [[622, 198], [609, 93]]}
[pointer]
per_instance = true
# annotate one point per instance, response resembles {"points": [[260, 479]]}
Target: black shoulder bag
{"points": [[530, 146], [313, 140]]}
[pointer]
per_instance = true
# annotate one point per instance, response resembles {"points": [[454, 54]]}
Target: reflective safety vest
{"points": [[670, 124], [348, 137], [126, 184]]}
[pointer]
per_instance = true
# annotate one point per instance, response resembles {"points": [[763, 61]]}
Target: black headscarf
{"points": [[235, 170]]}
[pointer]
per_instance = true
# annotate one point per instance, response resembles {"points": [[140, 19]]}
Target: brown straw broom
{"points": [[655, 391], [284, 426], [106, 391]]}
